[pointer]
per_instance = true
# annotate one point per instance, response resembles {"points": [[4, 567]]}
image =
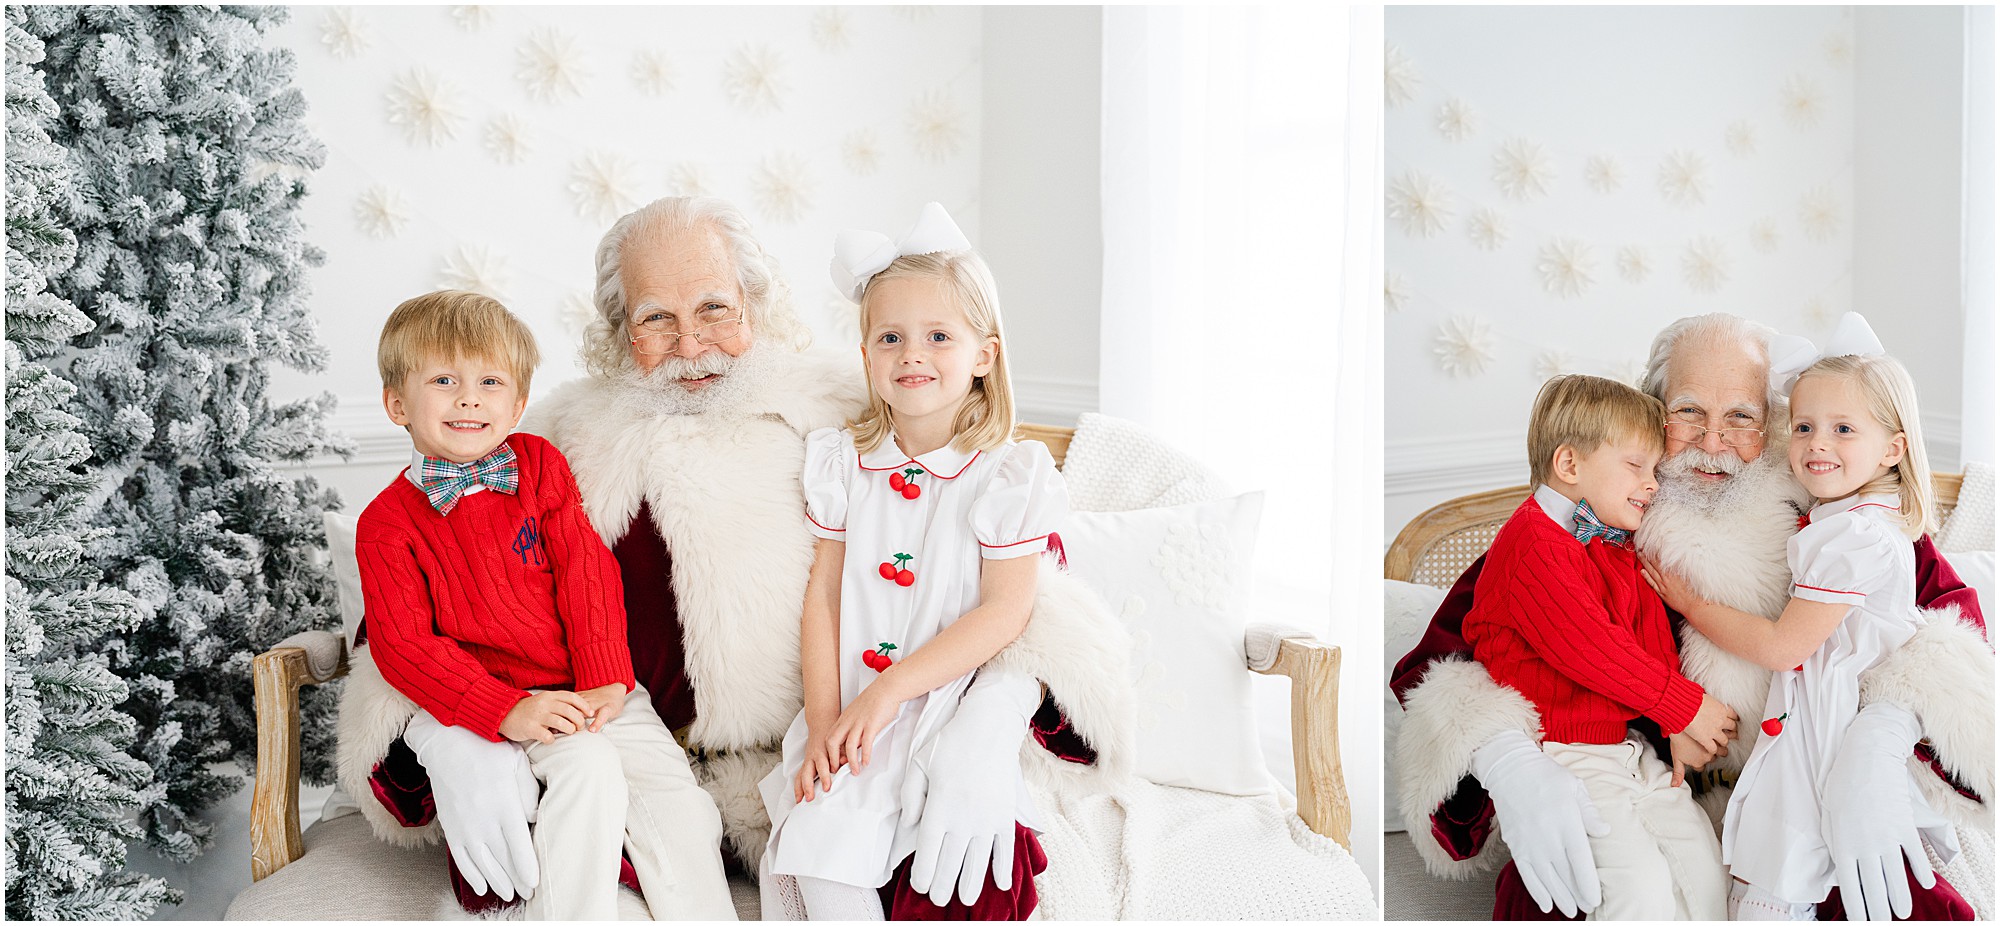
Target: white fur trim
{"points": [[372, 715], [1944, 675], [731, 779], [1076, 646], [1454, 710]]}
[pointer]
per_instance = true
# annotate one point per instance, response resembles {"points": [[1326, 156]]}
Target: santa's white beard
{"points": [[660, 391]]}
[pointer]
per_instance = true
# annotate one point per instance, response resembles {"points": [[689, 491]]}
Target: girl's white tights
{"points": [[786, 897], [1747, 902]]}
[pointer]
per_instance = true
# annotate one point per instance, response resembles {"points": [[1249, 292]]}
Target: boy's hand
{"points": [[1712, 725], [853, 735], [822, 759], [1689, 754], [606, 703], [544, 715]]}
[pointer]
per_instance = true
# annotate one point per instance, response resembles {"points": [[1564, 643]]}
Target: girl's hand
{"points": [[1672, 588], [853, 735], [821, 761]]}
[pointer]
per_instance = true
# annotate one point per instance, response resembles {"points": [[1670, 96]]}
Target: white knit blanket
{"points": [[1159, 853], [1115, 465], [1970, 526]]}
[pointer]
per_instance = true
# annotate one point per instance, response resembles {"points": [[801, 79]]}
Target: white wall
{"points": [[1039, 193], [1637, 85], [841, 76]]}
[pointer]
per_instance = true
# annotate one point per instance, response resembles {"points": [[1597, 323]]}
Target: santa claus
{"points": [[687, 439], [1467, 757]]}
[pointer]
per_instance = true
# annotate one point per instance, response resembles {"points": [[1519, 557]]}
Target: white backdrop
{"points": [[1564, 181]]}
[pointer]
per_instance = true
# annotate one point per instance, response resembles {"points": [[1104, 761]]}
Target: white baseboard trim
{"points": [[1053, 400]]}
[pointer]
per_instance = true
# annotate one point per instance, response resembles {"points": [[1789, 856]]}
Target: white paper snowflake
{"points": [[472, 18], [1684, 178], [935, 126], [1552, 363], [782, 187], [1421, 203], [1604, 173], [688, 179], [861, 153], [829, 29], [653, 73], [1488, 229], [1802, 102], [1521, 169], [426, 106], [1741, 137], [1395, 291], [1820, 215], [1764, 235], [553, 66], [1399, 77], [1464, 345], [509, 139], [382, 212], [576, 312], [1839, 49], [1634, 264], [604, 185], [1565, 266], [1819, 311], [753, 79], [345, 33], [478, 269], [1456, 120], [1705, 264]]}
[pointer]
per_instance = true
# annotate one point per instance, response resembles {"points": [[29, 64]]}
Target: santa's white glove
{"points": [[485, 797], [1546, 818], [972, 779], [1869, 818]]}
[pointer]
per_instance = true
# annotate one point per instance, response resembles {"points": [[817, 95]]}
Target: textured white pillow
{"points": [[1970, 526], [340, 529], [1406, 611], [1180, 579]]}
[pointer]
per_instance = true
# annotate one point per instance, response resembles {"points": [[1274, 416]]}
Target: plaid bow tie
{"points": [[444, 481], [1588, 526]]}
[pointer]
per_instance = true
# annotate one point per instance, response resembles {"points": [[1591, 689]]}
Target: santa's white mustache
{"points": [[1685, 463], [709, 363]]}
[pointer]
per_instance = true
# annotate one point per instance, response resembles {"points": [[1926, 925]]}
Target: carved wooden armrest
{"points": [[1314, 668], [274, 803]]}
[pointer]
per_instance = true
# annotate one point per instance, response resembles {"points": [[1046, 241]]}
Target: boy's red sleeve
{"points": [[431, 670], [1570, 630], [590, 596]]}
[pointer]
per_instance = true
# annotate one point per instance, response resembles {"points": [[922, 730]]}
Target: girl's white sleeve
{"points": [[1024, 502], [1842, 559], [829, 463]]}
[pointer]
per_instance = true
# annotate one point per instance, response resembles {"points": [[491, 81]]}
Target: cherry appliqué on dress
{"points": [[905, 482], [1775, 725], [896, 571], [878, 658]]}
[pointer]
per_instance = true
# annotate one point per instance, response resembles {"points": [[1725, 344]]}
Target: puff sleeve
{"points": [[1843, 559], [1024, 502], [829, 463]]}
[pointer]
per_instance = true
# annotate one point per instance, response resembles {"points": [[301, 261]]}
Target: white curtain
{"points": [[1242, 301]]}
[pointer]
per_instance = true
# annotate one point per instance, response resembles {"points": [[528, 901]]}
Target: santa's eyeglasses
{"points": [[1691, 433]]}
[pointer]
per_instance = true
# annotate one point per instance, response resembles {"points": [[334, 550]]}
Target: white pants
{"points": [[1662, 859], [626, 786]]}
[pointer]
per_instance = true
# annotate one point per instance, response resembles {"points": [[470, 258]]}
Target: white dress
{"points": [[1853, 552], [970, 507]]}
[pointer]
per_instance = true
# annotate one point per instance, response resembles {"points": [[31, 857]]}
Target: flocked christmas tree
{"points": [[184, 131], [71, 787]]}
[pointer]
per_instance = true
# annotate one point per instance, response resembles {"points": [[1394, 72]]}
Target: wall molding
{"points": [[1053, 399], [1453, 465]]}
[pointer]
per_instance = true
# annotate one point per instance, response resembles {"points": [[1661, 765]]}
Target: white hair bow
{"points": [[859, 255], [1791, 355]]}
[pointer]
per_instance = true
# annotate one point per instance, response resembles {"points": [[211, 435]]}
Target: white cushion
{"points": [[1406, 611], [340, 530], [1970, 526], [1180, 580]]}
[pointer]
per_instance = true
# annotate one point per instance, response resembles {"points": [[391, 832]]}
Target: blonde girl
{"points": [[1856, 446], [929, 519]]}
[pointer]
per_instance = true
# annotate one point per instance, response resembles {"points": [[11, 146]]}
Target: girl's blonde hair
{"points": [[1892, 400], [985, 420]]}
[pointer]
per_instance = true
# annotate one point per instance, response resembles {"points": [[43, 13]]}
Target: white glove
{"points": [[1868, 816], [485, 797], [1546, 818], [973, 778]]}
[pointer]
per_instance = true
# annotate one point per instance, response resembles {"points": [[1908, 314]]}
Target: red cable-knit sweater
{"points": [[1576, 629], [506, 593]]}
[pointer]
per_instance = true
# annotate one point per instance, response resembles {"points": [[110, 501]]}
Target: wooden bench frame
{"points": [[276, 841]]}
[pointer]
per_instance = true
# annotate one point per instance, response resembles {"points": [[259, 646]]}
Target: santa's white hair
{"points": [[1713, 328]]}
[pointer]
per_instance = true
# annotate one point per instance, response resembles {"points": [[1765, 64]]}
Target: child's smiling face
{"points": [[1838, 446], [922, 353], [1616, 479], [458, 409]]}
